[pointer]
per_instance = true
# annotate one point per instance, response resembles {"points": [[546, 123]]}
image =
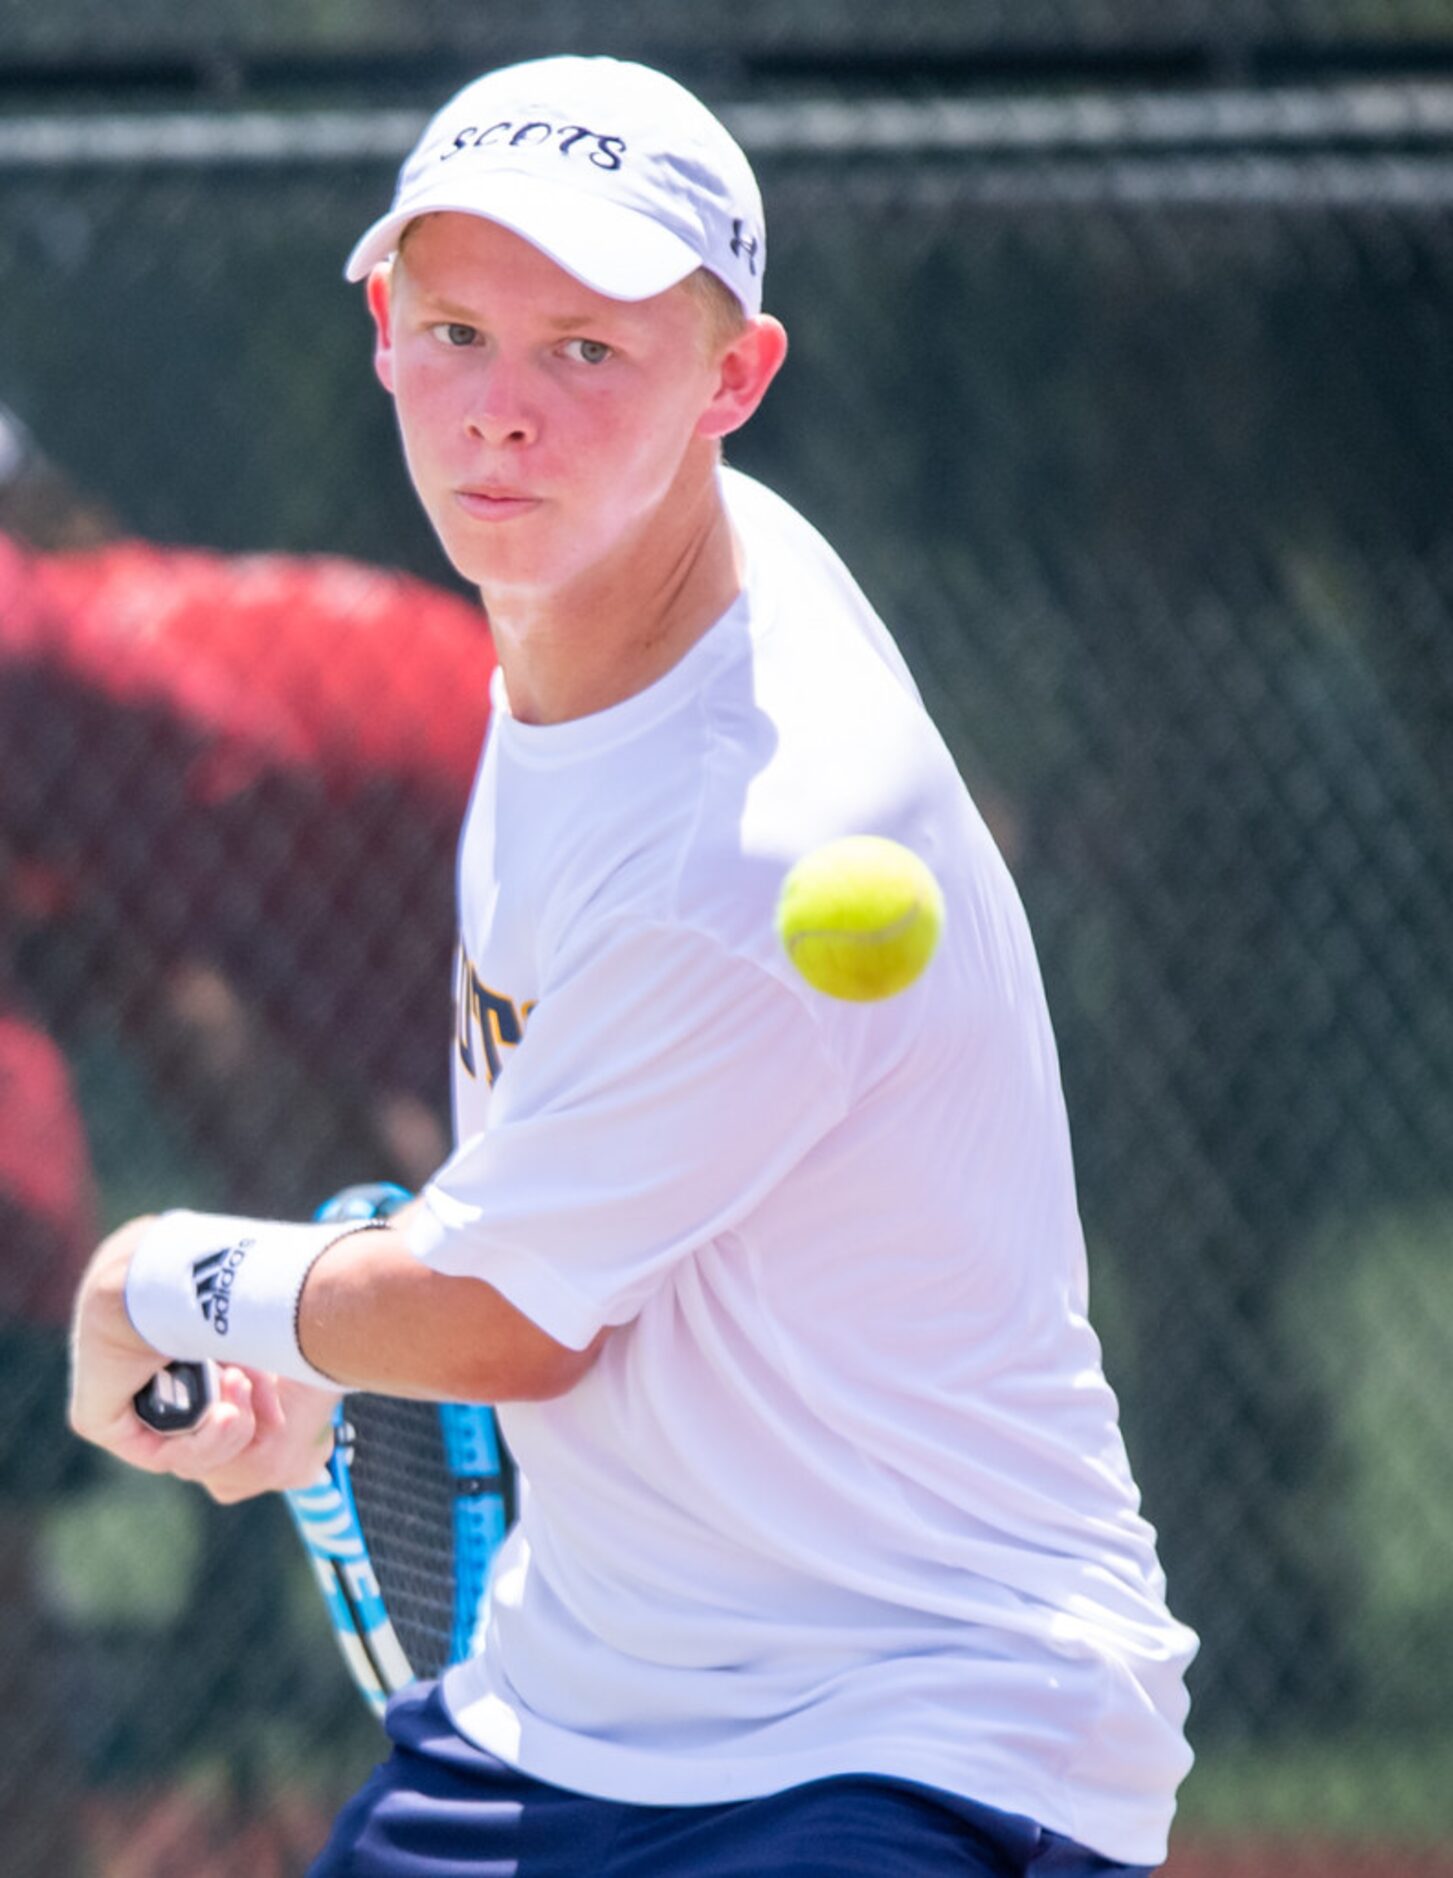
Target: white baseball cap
{"points": [[613, 170]]}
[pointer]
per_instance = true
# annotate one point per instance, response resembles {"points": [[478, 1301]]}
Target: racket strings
{"points": [[406, 1497]]}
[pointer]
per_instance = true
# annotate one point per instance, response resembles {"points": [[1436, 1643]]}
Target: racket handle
{"points": [[176, 1398]]}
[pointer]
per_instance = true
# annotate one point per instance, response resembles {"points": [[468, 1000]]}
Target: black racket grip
{"points": [[177, 1398]]}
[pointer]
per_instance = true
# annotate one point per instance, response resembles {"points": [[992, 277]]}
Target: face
{"points": [[547, 429]]}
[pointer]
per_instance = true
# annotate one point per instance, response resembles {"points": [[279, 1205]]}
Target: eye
{"points": [[588, 351], [455, 334]]}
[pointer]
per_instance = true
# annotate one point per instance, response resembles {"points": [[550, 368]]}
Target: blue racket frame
{"points": [[326, 1517]]}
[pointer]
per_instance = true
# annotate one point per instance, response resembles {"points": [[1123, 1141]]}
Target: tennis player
{"points": [[830, 1559]]}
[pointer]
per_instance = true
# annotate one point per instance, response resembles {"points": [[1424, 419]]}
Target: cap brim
{"points": [[609, 247]]}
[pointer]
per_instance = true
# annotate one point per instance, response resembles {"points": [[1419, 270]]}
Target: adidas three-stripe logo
{"points": [[213, 1276]]}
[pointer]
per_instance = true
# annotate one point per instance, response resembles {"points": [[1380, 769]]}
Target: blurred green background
{"points": [[1121, 374]]}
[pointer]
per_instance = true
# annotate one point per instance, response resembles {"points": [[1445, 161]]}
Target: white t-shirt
{"points": [[845, 1492]]}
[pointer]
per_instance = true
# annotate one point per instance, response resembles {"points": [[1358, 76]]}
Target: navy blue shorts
{"points": [[442, 1808]]}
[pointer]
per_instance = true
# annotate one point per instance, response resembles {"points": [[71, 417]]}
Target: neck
{"points": [[622, 625]]}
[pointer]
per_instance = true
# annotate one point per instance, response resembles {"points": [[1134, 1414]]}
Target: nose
{"points": [[500, 412]]}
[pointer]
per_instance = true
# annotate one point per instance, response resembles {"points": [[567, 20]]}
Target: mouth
{"points": [[495, 502]]}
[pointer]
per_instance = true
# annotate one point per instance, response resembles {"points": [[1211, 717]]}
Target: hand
{"points": [[258, 1436], [109, 1361], [280, 1436]]}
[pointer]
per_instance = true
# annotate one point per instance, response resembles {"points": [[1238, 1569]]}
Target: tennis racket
{"points": [[402, 1524]]}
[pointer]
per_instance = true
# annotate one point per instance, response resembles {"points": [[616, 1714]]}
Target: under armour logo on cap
{"points": [[745, 245]]}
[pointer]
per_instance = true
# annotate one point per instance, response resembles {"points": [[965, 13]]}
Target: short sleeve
{"points": [[661, 1090]]}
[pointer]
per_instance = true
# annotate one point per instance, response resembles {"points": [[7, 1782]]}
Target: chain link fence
{"points": [[1134, 412], [801, 33]]}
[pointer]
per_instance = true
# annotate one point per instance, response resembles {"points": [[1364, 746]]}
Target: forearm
{"points": [[373, 1317]]}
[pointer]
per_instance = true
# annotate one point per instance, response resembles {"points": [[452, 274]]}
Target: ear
{"points": [[744, 371], [379, 292]]}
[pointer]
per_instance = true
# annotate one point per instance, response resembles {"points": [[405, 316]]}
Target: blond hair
{"points": [[725, 317]]}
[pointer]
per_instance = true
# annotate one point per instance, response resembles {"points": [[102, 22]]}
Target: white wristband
{"points": [[208, 1285]]}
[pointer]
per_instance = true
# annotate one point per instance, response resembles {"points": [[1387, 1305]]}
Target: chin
{"points": [[481, 562], [502, 574]]}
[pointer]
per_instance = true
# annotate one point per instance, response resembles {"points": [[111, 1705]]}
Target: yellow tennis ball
{"points": [[860, 917]]}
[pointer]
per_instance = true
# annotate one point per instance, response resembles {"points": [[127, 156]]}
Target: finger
{"points": [[227, 1431], [291, 1453], [196, 1457], [267, 1404], [235, 1385], [214, 1438]]}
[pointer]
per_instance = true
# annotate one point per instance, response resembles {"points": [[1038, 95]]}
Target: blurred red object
{"points": [[253, 763], [349, 671], [46, 1199]]}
